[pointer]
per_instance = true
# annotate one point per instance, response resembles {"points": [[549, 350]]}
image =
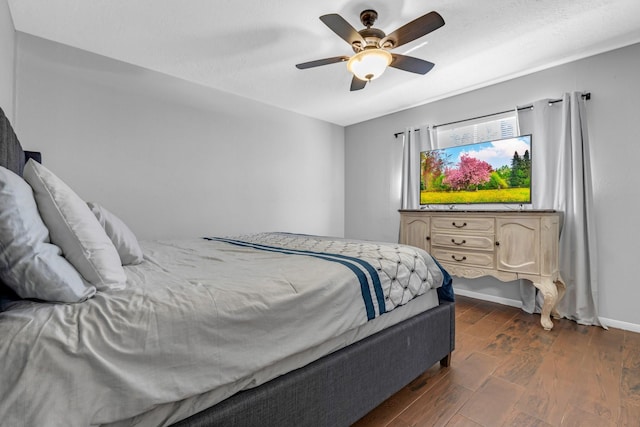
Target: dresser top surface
{"points": [[484, 211]]}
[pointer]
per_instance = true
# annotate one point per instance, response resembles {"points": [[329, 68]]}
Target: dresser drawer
{"points": [[466, 241], [477, 259], [462, 224]]}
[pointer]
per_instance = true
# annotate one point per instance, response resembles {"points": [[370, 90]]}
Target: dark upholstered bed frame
{"points": [[337, 389]]}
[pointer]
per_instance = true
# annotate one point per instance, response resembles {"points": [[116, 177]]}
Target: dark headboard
{"points": [[12, 156]]}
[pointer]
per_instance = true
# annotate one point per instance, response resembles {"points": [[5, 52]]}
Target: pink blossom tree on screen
{"points": [[470, 173]]}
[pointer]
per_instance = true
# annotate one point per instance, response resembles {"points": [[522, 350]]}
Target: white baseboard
{"points": [[485, 297], [611, 323]]}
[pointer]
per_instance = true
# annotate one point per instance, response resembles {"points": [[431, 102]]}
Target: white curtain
{"points": [[561, 177], [415, 141]]}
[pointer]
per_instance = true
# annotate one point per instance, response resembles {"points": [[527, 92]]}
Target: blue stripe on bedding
{"points": [[347, 261], [377, 286], [375, 278]]}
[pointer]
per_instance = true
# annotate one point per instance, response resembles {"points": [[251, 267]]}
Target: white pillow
{"points": [[29, 264], [75, 229], [122, 237]]}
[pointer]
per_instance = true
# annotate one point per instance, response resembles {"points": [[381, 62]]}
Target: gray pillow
{"points": [[30, 265], [75, 229], [120, 234]]}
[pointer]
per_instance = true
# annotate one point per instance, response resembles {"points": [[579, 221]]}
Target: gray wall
{"points": [[174, 159], [7, 46], [373, 162]]}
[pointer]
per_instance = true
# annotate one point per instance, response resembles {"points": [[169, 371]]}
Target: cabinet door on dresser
{"points": [[414, 231], [518, 244]]}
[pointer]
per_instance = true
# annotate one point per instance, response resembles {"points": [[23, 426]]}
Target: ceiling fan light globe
{"points": [[369, 64]]}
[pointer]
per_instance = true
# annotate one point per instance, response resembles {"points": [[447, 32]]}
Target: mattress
{"points": [[198, 321]]}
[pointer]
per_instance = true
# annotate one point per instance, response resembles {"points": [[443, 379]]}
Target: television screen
{"points": [[497, 171]]}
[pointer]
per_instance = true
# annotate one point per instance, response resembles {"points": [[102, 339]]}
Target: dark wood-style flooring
{"points": [[507, 371]]}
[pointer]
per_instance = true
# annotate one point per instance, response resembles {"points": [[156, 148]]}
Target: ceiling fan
{"points": [[372, 46]]}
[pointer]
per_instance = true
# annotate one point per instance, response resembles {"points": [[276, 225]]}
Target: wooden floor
{"points": [[507, 371]]}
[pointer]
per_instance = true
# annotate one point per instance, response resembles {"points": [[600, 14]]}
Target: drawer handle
{"points": [[464, 224], [464, 258], [458, 243]]}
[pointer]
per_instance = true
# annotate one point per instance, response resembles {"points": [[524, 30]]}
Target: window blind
{"points": [[502, 125]]}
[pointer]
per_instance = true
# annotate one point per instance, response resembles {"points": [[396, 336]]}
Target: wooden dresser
{"points": [[507, 245]]}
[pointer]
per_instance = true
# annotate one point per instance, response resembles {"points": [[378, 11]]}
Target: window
{"points": [[495, 126]]}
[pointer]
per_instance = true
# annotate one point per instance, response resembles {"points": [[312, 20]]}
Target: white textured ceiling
{"points": [[250, 47]]}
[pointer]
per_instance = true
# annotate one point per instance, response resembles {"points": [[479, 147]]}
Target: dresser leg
{"points": [[550, 294], [561, 290]]}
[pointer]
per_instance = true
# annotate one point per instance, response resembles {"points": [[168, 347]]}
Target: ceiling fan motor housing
{"points": [[371, 36]]}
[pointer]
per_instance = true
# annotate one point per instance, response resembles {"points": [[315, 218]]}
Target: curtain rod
{"points": [[586, 96]]}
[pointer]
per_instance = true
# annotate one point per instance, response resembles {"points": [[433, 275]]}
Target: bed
{"points": [[259, 329]]}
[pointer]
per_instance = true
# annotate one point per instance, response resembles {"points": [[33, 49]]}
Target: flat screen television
{"points": [[497, 171]]}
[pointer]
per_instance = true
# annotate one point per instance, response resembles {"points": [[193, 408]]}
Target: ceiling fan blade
{"points": [[414, 29], [320, 62], [357, 84], [411, 64], [342, 28]]}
